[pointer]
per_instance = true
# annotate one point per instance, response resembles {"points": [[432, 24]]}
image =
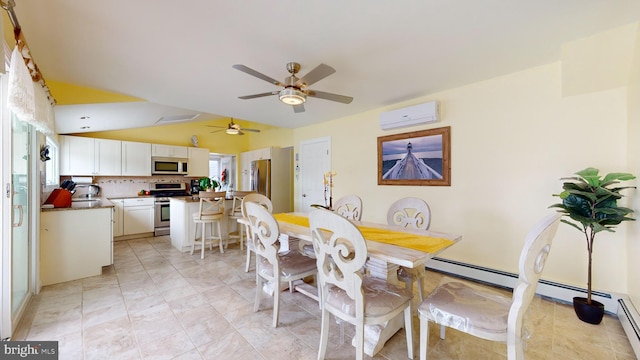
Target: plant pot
{"points": [[592, 313]]}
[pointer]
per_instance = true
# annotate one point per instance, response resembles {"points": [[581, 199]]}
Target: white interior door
{"points": [[315, 161]]}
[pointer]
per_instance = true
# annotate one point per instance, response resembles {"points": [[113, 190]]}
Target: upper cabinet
{"points": [[89, 156], [136, 159], [169, 151], [198, 163]]}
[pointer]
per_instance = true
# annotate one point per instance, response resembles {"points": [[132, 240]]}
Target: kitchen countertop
{"points": [[191, 199], [99, 203]]}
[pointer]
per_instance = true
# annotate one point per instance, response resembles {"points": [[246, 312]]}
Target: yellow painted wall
{"points": [[512, 138]]}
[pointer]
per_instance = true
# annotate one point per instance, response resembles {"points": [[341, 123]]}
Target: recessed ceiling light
{"points": [[85, 117], [85, 127]]}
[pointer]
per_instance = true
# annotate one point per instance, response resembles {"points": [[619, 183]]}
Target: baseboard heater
{"points": [[558, 291], [630, 320], [614, 304]]}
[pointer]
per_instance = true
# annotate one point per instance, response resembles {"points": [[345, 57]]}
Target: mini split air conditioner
{"points": [[413, 115]]}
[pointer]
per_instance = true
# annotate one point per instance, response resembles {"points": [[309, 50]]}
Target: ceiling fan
{"points": [[233, 129], [294, 90]]}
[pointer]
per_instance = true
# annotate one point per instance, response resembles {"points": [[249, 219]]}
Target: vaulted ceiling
{"points": [[179, 54]]}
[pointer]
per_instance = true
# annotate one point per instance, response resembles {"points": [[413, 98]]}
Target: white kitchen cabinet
{"points": [[74, 244], [198, 163], [136, 159], [262, 154], [245, 170], [169, 151], [245, 164], [89, 156], [118, 217], [138, 215]]}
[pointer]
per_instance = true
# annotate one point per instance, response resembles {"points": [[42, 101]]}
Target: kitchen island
{"points": [[183, 229], [75, 242]]}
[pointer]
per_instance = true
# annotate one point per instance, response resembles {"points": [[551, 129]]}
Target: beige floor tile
{"points": [[158, 303]]}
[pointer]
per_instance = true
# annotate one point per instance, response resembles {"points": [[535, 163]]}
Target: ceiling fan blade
{"points": [[251, 130], [329, 96], [298, 108], [247, 97], [215, 126], [318, 73], [262, 76], [216, 131]]}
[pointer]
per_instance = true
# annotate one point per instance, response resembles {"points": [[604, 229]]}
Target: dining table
{"points": [[389, 247]]}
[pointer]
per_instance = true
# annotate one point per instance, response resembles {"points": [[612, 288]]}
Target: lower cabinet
{"points": [[74, 244], [138, 215], [118, 217]]}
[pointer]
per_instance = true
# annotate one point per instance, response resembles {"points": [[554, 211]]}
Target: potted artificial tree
{"points": [[591, 205]]}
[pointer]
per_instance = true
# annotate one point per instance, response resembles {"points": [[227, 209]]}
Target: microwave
{"points": [[172, 166]]}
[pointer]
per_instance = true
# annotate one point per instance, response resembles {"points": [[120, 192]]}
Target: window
{"points": [[52, 176]]}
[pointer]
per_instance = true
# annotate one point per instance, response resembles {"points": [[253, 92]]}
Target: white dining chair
{"points": [[349, 206], [264, 202], [210, 213], [345, 292], [411, 213], [273, 267], [487, 314]]}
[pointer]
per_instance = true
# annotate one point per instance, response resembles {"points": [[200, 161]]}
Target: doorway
{"points": [[315, 161]]}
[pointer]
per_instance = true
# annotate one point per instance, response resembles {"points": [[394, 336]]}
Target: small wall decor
{"points": [[44, 153], [415, 158]]}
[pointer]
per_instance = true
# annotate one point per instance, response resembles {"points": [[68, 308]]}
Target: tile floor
{"points": [[158, 303]]}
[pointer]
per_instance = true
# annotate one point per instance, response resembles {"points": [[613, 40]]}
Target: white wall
{"points": [[633, 239], [512, 138]]}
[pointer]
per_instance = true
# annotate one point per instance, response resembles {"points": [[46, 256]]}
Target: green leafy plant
{"points": [[590, 203], [208, 183]]}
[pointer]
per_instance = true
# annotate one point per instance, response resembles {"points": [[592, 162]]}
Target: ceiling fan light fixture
{"points": [[292, 96], [232, 131]]}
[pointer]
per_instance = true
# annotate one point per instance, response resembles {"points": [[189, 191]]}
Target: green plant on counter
{"points": [[208, 183]]}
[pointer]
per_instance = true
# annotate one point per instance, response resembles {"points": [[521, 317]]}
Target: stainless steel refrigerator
{"points": [[260, 177]]}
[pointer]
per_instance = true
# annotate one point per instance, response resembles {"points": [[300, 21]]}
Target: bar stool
{"points": [[235, 213], [210, 212]]}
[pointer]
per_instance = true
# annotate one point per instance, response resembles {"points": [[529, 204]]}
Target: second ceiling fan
{"points": [[294, 90], [233, 129]]}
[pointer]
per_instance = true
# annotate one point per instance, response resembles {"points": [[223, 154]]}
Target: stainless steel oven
{"points": [[162, 217], [162, 193]]}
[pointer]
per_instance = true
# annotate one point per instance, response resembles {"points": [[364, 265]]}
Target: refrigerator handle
{"points": [[255, 179]]}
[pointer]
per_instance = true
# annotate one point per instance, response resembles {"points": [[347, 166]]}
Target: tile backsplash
{"points": [[122, 186]]}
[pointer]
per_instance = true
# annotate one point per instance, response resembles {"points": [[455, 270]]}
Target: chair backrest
{"points": [[211, 203], [341, 252], [265, 233], [532, 260], [236, 206], [349, 206], [256, 198], [410, 212]]}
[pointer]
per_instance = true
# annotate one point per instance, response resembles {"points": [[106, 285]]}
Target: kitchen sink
{"points": [[84, 200]]}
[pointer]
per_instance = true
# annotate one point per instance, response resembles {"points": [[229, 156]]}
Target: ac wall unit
{"points": [[413, 115]]}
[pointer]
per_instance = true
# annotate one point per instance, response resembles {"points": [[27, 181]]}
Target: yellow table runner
{"points": [[424, 243]]}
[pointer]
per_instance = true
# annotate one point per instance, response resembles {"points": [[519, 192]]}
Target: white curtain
{"points": [[28, 100]]}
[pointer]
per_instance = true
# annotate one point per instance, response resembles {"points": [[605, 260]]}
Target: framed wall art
{"points": [[415, 158]]}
